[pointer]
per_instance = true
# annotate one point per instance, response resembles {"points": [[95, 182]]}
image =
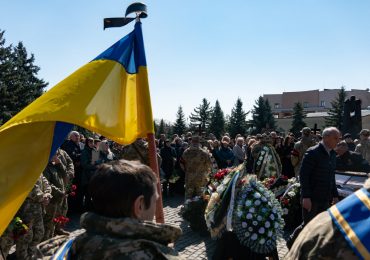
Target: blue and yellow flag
{"points": [[110, 95]]}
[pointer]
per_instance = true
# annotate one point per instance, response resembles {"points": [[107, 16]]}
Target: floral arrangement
{"points": [[217, 178], [268, 163], [276, 185], [61, 220], [290, 203], [220, 192], [193, 212], [18, 228], [257, 217], [71, 189]]}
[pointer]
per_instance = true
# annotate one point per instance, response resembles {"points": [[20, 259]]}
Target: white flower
{"points": [[254, 236], [239, 213], [250, 229], [261, 230], [251, 210], [249, 216], [257, 202], [264, 199], [269, 234], [276, 225], [274, 210], [285, 211], [259, 218], [247, 234], [255, 223], [262, 241], [267, 224], [291, 194], [272, 217], [244, 224], [257, 195], [248, 203]]}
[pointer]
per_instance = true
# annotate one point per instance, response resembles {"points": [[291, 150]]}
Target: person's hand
{"points": [[335, 200], [45, 200], [56, 160], [306, 204]]}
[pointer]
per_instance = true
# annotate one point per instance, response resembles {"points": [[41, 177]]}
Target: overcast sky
{"points": [[202, 48]]}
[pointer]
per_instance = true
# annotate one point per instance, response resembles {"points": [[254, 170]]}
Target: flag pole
{"points": [[153, 162]]}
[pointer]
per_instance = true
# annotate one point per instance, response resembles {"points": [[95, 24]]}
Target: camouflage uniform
{"points": [[364, 149], [299, 150], [6, 242], [118, 238], [197, 166], [68, 176], [31, 214], [321, 239], [55, 174]]}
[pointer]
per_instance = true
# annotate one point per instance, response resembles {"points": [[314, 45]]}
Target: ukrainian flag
{"points": [[110, 95]]}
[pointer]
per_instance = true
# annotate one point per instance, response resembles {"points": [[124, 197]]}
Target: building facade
{"points": [[312, 100]]}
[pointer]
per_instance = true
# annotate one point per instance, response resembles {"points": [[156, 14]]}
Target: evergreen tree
{"points": [[201, 115], [336, 113], [237, 123], [258, 115], [269, 117], [5, 77], [180, 125], [217, 124], [19, 84], [161, 128], [298, 116]]}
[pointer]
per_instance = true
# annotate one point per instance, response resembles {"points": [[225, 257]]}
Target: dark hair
{"points": [[116, 185]]}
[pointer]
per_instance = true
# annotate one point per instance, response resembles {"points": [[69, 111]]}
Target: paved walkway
{"points": [[191, 245]]}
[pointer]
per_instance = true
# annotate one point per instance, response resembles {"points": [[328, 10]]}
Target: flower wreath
{"points": [[268, 163], [219, 201], [290, 203], [257, 217]]}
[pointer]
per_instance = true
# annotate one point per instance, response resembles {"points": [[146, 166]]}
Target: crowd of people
{"points": [[89, 175]]}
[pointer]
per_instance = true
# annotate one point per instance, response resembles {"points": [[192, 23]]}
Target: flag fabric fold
{"points": [[109, 95]]}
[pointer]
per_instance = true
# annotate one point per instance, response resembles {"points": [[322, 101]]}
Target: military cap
{"points": [[306, 130]]}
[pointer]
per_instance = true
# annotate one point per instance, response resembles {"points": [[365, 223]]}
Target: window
{"points": [[276, 105], [322, 103], [305, 104]]}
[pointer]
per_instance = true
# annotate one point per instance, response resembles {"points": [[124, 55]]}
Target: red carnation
{"points": [[74, 187]]}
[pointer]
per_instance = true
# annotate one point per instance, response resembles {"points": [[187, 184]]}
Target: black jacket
{"points": [[317, 174], [351, 161]]}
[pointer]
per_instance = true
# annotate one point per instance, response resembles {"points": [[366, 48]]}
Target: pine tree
{"points": [[180, 125], [298, 116], [5, 76], [19, 84], [217, 124], [258, 115], [161, 128], [269, 116], [201, 115], [237, 123], [336, 113]]}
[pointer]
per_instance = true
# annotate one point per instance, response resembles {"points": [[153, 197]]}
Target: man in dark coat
{"points": [[317, 178], [168, 155]]}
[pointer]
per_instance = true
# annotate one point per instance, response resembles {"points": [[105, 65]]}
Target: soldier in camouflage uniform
{"points": [[6, 242], [321, 239], [197, 167], [31, 214], [124, 195], [138, 150], [363, 147], [300, 149], [55, 172]]}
